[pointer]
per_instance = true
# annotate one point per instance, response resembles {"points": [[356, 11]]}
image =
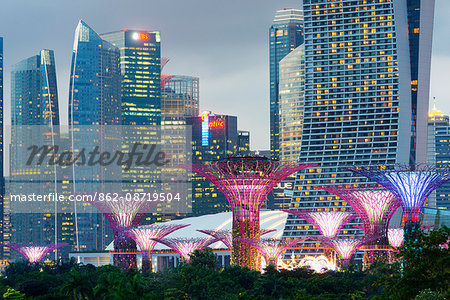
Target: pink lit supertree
{"points": [[246, 182], [271, 249], [144, 235], [329, 223], [34, 253], [185, 246], [226, 237], [411, 185], [395, 237], [124, 214]]}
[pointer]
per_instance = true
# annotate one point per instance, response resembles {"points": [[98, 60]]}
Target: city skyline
{"points": [[237, 84]]}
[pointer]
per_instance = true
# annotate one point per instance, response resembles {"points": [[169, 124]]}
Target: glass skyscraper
{"points": [[2, 175], [94, 103], [35, 121], [367, 75], [285, 35]]}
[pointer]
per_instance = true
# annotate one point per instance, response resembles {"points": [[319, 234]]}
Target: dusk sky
{"points": [[225, 43]]}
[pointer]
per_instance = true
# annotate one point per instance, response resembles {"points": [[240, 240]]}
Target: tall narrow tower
{"points": [[285, 35], [367, 76]]}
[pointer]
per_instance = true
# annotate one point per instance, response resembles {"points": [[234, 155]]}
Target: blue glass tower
{"points": [[285, 35], [94, 101]]}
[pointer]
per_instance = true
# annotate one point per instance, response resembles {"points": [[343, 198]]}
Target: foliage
{"points": [[422, 273]]}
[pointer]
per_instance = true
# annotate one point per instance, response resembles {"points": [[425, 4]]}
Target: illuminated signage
{"points": [[217, 124], [205, 128], [140, 36]]}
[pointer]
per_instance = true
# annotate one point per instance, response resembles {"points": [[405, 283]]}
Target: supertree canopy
{"points": [[185, 246], [411, 185], [226, 237], [271, 249], [143, 236], [395, 237], [124, 214], [329, 223], [373, 204], [246, 181], [35, 253]]}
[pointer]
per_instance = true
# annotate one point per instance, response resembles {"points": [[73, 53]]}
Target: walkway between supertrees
{"points": [[411, 185], [34, 253], [246, 182], [271, 249], [186, 246], [329, 223], [144, 235], [226, 237], [375, 206], [124, 214], [344, 247]]}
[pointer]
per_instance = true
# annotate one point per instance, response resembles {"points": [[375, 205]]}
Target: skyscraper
{"points": [[35, 121], [438, 154], [285, 35], [94, 103], [367, 78], [2, 175]]}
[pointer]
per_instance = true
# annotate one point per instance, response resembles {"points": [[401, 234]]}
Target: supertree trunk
{"points": [[243, 254], [374, 255], [146, 262], [122, 245]]}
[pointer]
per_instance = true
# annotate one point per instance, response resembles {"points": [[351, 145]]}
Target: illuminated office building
{"points": [[438, 155], [94, 102], [214, 137], [243, 145], [35, 121], [367, 76], [285, 35]]}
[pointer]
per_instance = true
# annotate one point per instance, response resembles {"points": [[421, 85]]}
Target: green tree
{"points": [[12, 294], [78, 286]]}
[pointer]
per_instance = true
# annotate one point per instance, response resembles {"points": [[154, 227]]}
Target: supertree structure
{"points": [[329, 223], [411, 185], [395, 237], [124, 214], [185, 246], [373, 204], [226, 237], [271, 249], [245, 182], [144, 235], [344, 247], [34, 253]]}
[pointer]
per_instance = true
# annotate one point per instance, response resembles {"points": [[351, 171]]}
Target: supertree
{"points": [[34, 253], [124, 214], [329, 223], [226, 237], [411, 185], [185, 246], [344, 247], [245, 182], [271, 249], [395, 237], [144, 235]]}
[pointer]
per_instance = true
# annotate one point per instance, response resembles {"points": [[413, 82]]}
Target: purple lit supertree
{"points": [[329, 223], [185, 246], [124, 214], [344, 247], [226, 237], [411, 185], [373, 204], [34, 253], [271, 249], [245, 182], [395, 237], [144, 235]]}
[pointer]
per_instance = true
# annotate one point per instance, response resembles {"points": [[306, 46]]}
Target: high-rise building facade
{"points": [[214, 137], [2, 175], [367, 67], [285, 35], [35, 121], [438, 154], [94, 108]]}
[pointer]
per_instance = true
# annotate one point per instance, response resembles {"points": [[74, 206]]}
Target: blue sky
{"points": [[225, 43]]}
